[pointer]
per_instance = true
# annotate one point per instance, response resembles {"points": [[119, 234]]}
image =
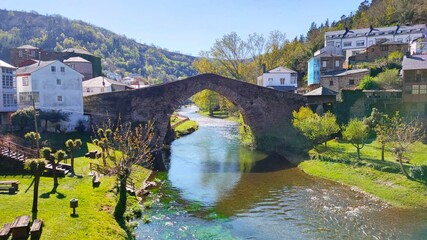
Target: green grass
{"points": [[220, 114], [393, 188], [185, 128], [94, 220]]}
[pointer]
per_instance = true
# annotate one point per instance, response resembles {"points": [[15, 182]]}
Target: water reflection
{"points": [[264, 197]]}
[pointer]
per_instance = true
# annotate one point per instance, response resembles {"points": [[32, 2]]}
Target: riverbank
{"points": [[371, 175], [182, 125], [220, 114], [94, 219]]}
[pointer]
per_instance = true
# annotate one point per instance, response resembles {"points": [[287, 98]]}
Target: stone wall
{"points": [[342, 82]]}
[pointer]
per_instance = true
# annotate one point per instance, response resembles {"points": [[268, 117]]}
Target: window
{"points": [[26, 98], [337, 63], [7, 82], [9, 100], [270, 81], [347, 44], [384, 48], [351, 82], [415, 89], [62, 69], [324, 63], [360, 43], [371, 42], [331, 83], [53, 68], [330, 43], [87, 89], [102, 89], [20, 53], [25, 81], [282, 81], [33, 54], [6, 70], [418, 77], [423, 89], [400, 39], [59, 98], [293, 78], [58, 81], [338, 45]]}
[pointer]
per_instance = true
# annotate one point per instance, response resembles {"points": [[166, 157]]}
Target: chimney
{"points": [[264, 70]]}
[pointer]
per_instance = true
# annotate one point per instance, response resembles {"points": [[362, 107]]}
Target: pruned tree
{"points": [[126, 147], [316, 128], [36, 166], [356, 132], [54, 160], [403, 134], [33, 137], [72, 147], [380, 123], [102, 141]]}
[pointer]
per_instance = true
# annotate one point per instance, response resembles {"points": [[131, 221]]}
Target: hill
{"points": [[118, 53]]}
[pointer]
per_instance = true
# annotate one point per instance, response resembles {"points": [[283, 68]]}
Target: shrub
{"points": [[148, 204], [418, 172], [137, 211], [368, 83], [146, 219]]}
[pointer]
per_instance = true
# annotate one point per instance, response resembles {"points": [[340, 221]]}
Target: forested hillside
{"points": [[118, 53]]}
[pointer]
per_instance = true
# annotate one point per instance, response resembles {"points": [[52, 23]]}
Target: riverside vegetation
{"points": [[379, 165]]}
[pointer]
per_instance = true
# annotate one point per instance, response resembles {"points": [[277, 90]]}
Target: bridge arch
{"points": [[264, 110]]}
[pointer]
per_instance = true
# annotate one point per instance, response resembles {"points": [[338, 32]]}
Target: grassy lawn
{"points": [[185, 128], [94, 220], [393, 188]]}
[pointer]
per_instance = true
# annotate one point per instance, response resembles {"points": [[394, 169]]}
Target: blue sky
{"points": [[191, 26]]}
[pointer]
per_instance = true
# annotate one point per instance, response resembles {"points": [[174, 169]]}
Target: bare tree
{"points": [[403, 134], [127, 146]]}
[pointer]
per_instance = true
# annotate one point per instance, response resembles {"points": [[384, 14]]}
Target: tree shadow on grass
{"points": [[58, 195], [124, 226]]}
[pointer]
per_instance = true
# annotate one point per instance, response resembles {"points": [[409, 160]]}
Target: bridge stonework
{"points": [[268, 112]]}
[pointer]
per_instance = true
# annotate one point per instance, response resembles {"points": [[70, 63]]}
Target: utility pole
{"points": [[35, 125]]}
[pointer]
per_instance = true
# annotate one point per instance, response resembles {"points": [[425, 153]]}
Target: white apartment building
{"points": [[354, 40], [279, 78], [8, 99], [54, 86]]}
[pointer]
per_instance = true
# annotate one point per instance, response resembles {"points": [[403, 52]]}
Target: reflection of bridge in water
{"points": [[265, 110]]}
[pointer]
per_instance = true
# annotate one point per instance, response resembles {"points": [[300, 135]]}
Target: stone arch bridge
{"points": [[268, 112]]}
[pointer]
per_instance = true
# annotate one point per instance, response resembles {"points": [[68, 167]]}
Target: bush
{"points": [[137, 211], [368, 83], [418, 172], [148, 204]]}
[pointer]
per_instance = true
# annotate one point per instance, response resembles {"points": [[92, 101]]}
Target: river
{"points": [[218, 189]]}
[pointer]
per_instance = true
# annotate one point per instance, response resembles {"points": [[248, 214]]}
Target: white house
{"points": [[279, 78], [54, 86], [418, 47], [8, 99], [101, 85], [353, 41]]}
